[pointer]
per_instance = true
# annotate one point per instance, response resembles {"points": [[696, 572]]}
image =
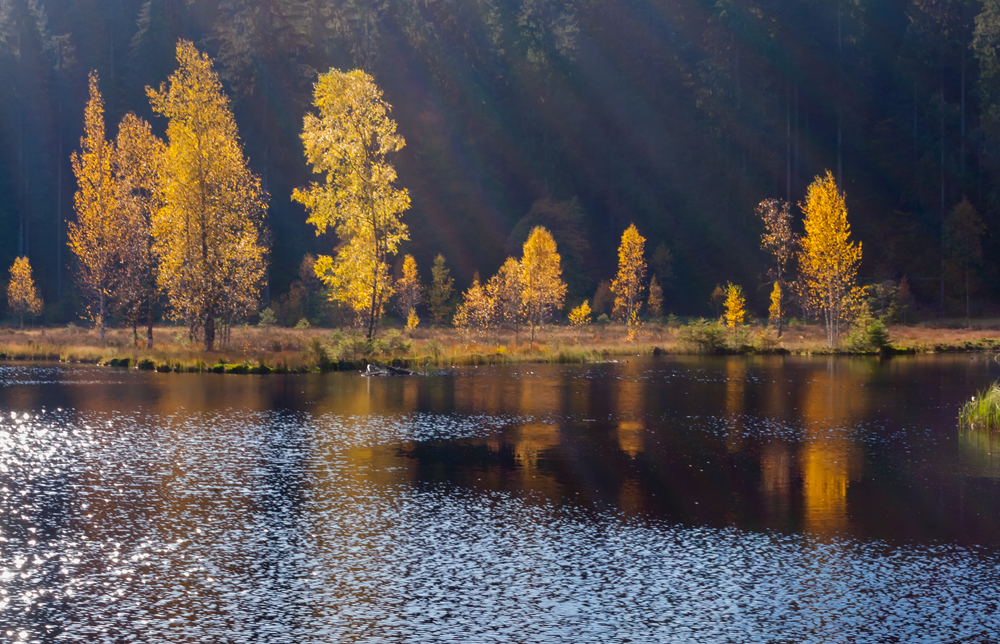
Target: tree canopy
{"points": [[348, 141], [208, 229]]}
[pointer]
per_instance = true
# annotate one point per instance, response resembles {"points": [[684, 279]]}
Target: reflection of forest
{"points": [[762, 442]]}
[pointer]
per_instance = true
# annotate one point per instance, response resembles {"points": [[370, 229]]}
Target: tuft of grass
{"points": [[983, 411]]}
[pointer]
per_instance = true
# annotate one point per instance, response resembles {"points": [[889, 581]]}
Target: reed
{"points": [[983, 411]]}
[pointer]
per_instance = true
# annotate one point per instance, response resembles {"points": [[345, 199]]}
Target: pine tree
{"points": [[442, 287]]}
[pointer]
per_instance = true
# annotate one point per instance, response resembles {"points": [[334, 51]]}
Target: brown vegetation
{"points": [[283, 349]]}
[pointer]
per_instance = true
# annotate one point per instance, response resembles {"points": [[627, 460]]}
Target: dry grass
{"points": [[305, 349]]}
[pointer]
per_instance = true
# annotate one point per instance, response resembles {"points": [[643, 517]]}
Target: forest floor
{"points": [[253, 349]]}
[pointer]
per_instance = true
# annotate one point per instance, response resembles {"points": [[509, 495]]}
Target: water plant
{"points": [[983, 411]]}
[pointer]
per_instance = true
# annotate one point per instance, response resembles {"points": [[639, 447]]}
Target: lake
{"points": [[668, 499]]}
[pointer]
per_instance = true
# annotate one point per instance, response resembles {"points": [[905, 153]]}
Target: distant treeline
{"points": [[579, 115]]}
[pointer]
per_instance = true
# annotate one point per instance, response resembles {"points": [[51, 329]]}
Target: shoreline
{"points": [[282, 350]]}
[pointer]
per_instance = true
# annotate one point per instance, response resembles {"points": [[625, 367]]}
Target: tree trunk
{"points": [[209, 331], [149, 325], [100, 316]]}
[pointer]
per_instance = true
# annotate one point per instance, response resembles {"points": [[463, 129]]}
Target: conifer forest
{"points": [[582, 116]]}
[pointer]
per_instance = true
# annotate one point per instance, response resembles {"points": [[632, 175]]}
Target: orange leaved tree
{"points": [[22, 297], [96, 235], [209, 226], [828, 261], [543, 289], [627, 285]]}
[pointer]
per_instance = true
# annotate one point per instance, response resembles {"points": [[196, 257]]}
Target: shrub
{"points": [[867, 333], [302, 324], [707, 336]]}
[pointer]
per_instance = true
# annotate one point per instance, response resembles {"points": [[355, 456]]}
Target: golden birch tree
{"points": [[828, 260], [735, 305], [474, 312], [22, 297], [541, 274], [96, 235], [348, 141], [774, 311], [137, 166], [208, 228], [504, 292], [409, 291], [627, 285]]}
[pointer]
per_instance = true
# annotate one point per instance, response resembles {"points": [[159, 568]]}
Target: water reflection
{"points": [[688, 500]]}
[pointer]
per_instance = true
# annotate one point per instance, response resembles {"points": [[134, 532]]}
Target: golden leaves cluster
{"points": [[829, 260], [96, 235], [627, 285], [22, 296], [348, 141], [208, 230], [736, 305], [526, 291]]}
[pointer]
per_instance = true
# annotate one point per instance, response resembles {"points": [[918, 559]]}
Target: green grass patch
{"points": [[983, 411]]}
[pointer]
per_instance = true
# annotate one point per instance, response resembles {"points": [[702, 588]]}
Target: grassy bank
{"points": [[982, 412], [254, 350]]}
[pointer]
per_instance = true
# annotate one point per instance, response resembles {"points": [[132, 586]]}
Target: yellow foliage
{"points": [[348, 141], [504, 292], [408, 287], [774, 312], [96, 235], [627, 285], [829, 260], [412, 320], [541, 274], [735, 305], [474, 312], [208, 229], [22, 297], [136, 168], [581, 314]]}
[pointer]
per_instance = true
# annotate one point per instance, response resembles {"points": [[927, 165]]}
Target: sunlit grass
{"points": [[263, 350], [983, 411]]}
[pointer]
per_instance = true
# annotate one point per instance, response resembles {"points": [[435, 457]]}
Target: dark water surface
{"points": [[662, 500]]}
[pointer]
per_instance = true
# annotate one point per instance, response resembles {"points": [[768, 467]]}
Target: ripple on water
{"points": [[248, 527]]}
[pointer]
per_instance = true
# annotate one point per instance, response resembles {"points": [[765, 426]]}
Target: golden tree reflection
{"points": [[834, 399]]}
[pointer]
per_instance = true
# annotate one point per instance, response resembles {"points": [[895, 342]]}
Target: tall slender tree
{"points": [[138, 165], [541, 277], [349, 141], [627, 285], [208, 229], [829, 260], [96, 235]]}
